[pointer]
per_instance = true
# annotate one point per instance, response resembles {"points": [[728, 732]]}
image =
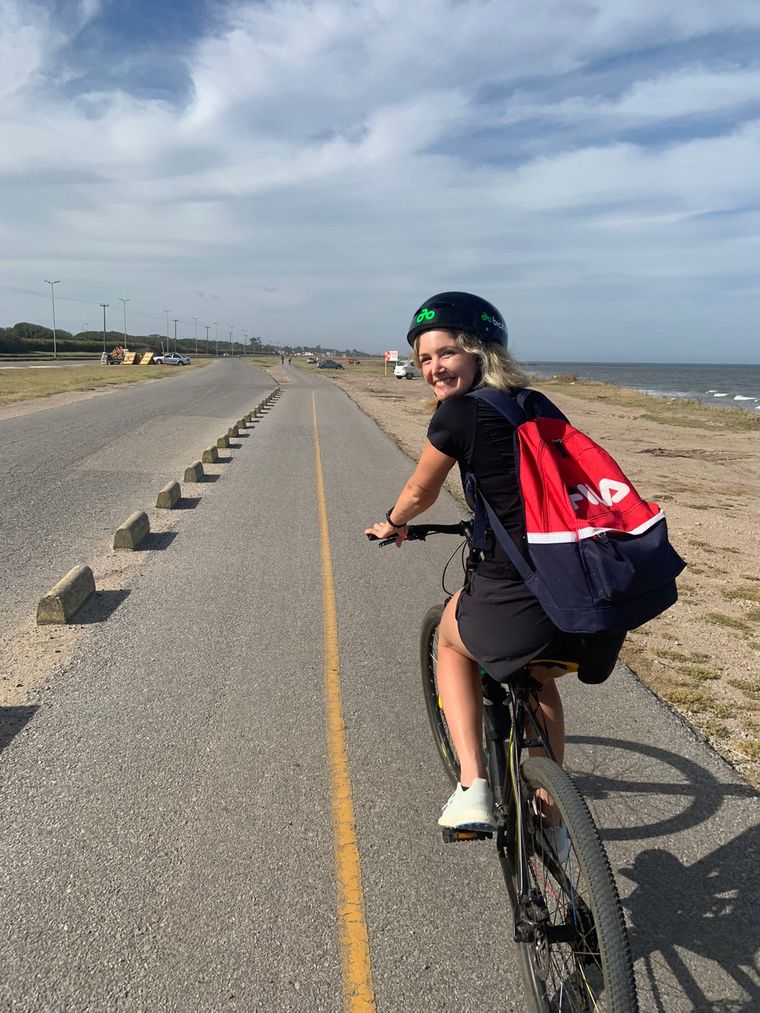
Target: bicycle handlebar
{"points": [[419, 532]]}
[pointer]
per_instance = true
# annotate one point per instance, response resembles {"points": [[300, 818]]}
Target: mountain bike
{"points": [[569, 928]]}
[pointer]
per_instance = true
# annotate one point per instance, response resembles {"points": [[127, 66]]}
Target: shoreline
{"points": [[652, 385], [702, 656]]}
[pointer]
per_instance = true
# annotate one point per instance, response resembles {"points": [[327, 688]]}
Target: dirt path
{"points": [[703, 465]]}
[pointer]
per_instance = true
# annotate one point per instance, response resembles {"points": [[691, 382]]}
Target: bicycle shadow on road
{"points": [[608, 772], [695, 925], [708, 910], [12, 721]]}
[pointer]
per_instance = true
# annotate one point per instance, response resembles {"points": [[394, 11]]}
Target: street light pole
{"points": [[124, 304], [175, 333], [207, 330], [196, 334], [216, 335], [105, 305], [232, 331], [245, 342], [167, 330], [52, 296]]}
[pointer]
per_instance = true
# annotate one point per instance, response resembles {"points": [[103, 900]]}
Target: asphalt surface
{"points": [[72, 474], [166, 839]]}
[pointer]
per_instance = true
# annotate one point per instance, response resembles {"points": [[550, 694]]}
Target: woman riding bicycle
{"points": [[460, 343]]}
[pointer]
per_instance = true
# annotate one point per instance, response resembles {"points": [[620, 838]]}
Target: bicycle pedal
{"points": [[450, 836]]}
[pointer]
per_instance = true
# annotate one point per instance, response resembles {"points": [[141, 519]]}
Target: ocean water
{"points": [[735, 385]]}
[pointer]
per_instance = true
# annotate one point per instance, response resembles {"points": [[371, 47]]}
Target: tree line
{"points": [[27, 338]]}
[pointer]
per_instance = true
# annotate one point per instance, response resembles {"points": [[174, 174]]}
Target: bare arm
{"points": [[419, 493]]}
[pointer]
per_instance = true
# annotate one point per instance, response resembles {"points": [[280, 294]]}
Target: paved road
{"points": [[166, 840], [73, 473]]}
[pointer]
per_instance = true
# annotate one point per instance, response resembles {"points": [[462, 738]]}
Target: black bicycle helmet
{"points": [[459, 311]]}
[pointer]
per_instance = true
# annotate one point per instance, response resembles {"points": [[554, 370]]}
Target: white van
{"points": [[405, 370]]}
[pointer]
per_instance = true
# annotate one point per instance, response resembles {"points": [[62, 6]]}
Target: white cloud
{"points": [[334, 153], [690, 92]]}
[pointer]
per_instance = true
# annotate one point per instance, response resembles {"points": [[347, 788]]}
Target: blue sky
{"points": [[311, 171]]}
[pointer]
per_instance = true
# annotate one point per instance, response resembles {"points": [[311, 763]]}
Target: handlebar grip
{"points": [[383, 541]]}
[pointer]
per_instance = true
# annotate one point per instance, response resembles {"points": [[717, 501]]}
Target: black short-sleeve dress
{"points": [[501, 623]]}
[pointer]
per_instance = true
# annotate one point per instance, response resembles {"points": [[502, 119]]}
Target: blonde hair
{"points": [[496, 366]]}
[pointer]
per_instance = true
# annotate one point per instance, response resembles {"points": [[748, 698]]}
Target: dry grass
{"points": [[742, 594], [682, 413], [27, 384], [722, 620]]}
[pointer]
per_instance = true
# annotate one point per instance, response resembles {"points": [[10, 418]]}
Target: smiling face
{"points": [[448, 370]]}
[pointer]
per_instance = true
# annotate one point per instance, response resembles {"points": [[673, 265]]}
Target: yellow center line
{"points": [[358, 990]]}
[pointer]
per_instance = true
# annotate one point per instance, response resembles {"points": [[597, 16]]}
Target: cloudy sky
{"points": [[311, 170]]}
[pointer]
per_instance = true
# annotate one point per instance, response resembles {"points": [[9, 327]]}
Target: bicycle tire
{"points": [[577, 898], [428, 661]]}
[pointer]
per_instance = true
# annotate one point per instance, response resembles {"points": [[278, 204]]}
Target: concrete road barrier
{"points": [[223, 441], [132, 531], [242, 423], [210, 456], [169, 496], [67, 596], [232, 432], [194, 473]]}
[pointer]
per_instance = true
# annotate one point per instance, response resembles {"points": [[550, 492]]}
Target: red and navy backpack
{"points": [[600, 559]]}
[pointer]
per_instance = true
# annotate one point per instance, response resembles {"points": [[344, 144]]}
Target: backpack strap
{"points": [[507, 406], [517, 407], [515, 556]]}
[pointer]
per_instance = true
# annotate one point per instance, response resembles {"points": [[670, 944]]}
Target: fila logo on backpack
{"points": [[609, 492], [600, 559]]}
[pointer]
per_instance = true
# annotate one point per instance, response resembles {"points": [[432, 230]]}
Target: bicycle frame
{"points": [[511, 724]]}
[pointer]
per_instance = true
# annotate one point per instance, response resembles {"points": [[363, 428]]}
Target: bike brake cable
{"points": [[459, 548]]}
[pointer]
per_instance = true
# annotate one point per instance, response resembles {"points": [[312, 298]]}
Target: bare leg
{"points": [[553, 715], [461, 696], [550, 705]]}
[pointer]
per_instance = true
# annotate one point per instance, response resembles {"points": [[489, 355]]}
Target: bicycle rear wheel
{"points": [[578, 957], [428, 663]]}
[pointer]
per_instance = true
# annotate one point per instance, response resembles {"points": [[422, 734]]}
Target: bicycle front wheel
{"points": [[428, 665], [575, 956]]}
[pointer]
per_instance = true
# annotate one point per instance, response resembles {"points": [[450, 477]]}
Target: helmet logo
{"points": [[425, 314], [491, 320]]}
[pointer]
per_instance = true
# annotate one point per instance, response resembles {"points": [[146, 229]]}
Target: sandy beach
{"points": [[703, 465]]}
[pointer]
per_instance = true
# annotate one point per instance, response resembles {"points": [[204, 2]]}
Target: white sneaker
{"points": [[471, 809]]}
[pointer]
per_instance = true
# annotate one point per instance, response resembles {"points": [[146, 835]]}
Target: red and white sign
{"points": [[391, 356]]}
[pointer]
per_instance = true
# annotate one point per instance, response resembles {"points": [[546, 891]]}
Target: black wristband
{"points": [[398, 527]]}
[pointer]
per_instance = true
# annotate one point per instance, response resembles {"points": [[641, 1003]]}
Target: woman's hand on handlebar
{"points": [[383, 530]]}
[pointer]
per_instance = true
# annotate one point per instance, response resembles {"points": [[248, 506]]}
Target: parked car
{"points": [[172, 359], [354, 362], [405, 370], [330, 364], [312, 360]]}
